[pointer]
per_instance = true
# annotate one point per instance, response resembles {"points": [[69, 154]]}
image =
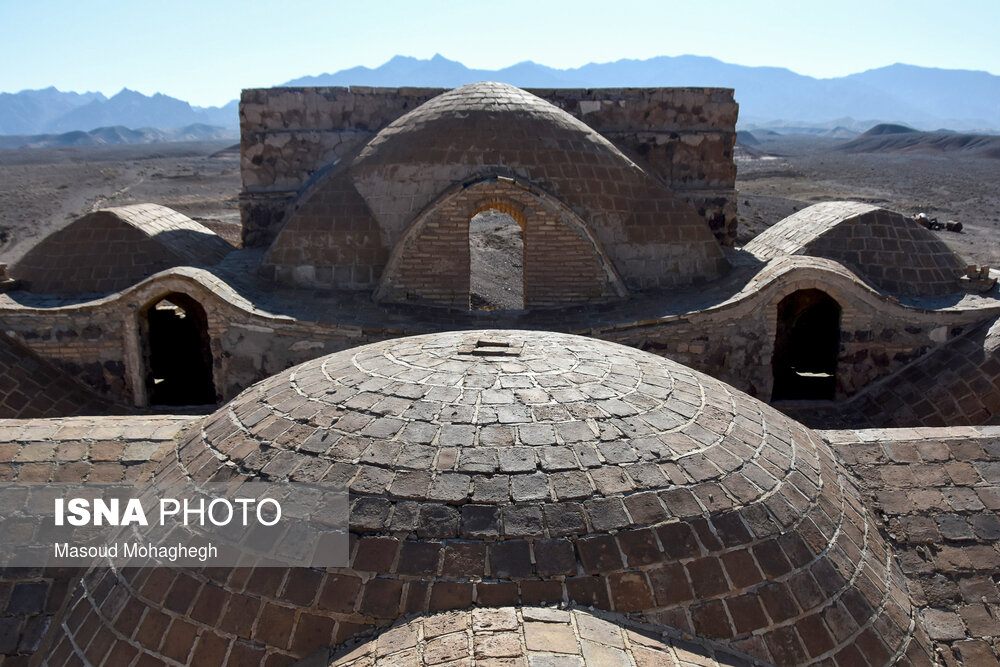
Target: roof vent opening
{"points": [[491, 347]]}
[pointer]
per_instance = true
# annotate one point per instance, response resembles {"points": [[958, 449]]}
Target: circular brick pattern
{"points": [[515, 637], [502, 468]]}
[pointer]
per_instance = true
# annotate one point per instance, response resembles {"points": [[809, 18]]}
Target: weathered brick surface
{"points": [[682, 136], [938, 490], [955, 384], [750, 503], [32, 387], [725, 329], [889, 250], [398, 196], [530, 636], [66, 450], [563, 263], [115, 248]]}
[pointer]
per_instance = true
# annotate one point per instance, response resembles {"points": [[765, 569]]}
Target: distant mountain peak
{"points": [[919, 96], [922, 97]]}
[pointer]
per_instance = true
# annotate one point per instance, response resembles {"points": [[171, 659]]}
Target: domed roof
{"points": [[494, 116], [489, 130], [114, 248], [891, 251], [542, 635], [514, 468]]}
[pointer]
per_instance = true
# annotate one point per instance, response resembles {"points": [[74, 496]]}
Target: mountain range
{"points": [[48, 111], [921, 97]]}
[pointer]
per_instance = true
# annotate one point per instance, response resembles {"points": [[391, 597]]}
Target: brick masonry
{"points": [[566, 470], [726, 329], [482, 132], [887, 249], [114, 248], [932, 490], [520, 637], [938, 492], [563, 263], [683, 136]]}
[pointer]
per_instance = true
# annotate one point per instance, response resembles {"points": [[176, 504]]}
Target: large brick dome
{"points": [[406, 198], [513, 468]]}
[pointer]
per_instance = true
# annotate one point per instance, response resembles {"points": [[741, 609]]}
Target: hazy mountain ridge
{"points": [[902, 139], [924, 98], [50, 111], [118, 135]]}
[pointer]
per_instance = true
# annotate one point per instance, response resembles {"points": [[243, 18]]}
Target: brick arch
{"points": [[495, 203], [564, 263]]}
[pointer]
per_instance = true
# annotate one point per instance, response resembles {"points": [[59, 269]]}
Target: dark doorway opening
{"points": [[178, 353], [806, 347], [496, 262]]}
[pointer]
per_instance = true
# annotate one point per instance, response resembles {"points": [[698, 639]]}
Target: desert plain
{"points": [[43, 189]]}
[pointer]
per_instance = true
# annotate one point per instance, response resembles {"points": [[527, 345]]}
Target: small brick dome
{"points": [[887, 249], [513, 468]]}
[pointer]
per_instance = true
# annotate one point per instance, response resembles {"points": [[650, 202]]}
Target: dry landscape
{"points": [[42, 189], [782, 174]]}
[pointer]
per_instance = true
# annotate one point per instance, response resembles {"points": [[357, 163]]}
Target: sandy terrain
{"points": [[782, 175], [43, 189]]}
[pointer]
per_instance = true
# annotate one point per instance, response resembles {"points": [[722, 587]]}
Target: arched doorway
{"points": [[177, 352], [806, 347], [496, 261]]}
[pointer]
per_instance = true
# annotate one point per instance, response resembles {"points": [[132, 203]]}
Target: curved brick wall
{"points": [[115, 248], [516, 468], [888, 249], [489, 129]]}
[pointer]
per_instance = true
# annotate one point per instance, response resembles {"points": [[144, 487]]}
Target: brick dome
{"points": [[513, 468], [514, 637], [887, 249], [488, 130]]}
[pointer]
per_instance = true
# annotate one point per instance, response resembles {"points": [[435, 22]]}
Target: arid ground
{"points": [[785, 173], [43, 189]]}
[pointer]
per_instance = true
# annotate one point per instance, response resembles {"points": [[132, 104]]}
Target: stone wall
{"points": [[682, 136]]}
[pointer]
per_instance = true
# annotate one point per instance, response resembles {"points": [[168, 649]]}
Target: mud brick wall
{"points": [[289, 136], [735, 341]]}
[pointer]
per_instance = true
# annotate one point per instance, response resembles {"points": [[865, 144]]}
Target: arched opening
{"points": [[806, 347], [496, 261], [177, 353]]}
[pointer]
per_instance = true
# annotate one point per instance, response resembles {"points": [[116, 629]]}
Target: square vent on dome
{"points": [[491, 347]]}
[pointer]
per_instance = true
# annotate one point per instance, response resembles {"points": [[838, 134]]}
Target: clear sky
{"points": [[205, 51]]}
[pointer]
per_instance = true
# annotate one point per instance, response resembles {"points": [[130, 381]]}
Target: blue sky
{"points": [[205, 51]]}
